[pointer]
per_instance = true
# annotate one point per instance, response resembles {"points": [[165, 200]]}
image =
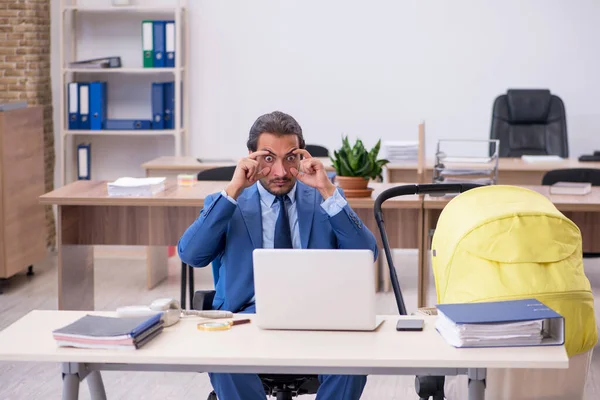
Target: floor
{"points": [[120, 280]]}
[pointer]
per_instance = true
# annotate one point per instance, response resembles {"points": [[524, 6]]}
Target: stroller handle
{"points": [[403, 190], [432, 188]]}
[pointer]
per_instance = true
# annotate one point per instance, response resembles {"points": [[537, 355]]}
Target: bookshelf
{"points": [[96, 28]]}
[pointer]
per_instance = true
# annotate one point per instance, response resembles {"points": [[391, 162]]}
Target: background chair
{"points": [[590, 175], [530, 122], [213, 174], [317, 151], [283, 387]]}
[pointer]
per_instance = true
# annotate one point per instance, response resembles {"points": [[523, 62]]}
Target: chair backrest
{"points": [[317, 151], [530, 122], [590, 175], [217, 174]]}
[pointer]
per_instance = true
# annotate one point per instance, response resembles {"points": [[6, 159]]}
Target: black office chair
{"points": [[213, 174], [529, 122], [591, 175], [317, 151], [280, 386]]}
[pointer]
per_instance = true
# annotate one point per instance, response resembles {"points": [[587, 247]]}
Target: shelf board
{"points": [[133, 132], [132, 8], [123, 70]]}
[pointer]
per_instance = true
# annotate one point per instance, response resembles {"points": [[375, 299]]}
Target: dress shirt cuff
{"points": [[334, 204], [231, 199]]}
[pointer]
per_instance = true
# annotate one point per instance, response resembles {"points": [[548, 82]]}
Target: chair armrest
{"points": [[203, 300]]}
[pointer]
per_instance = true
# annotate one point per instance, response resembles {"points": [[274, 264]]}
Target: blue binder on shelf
{"points": [[157, 98], [127, 124], [84, 106], [73, 100], [526, 322], [84, 162], [97, 105], [159, 44], [170, 44], [169, 104]]}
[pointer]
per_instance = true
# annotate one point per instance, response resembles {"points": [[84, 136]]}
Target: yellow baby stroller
{"points": [[506, 242]]}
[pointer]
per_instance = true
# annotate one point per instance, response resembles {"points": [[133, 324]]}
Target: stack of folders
{"points": [[500, 324], [158, 44], [88, 108], [98, 332], [144, 187]]}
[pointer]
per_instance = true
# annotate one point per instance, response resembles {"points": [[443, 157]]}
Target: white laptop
{"points": [[306, 289]]}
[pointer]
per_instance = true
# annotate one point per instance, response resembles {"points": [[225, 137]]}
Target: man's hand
{"points": [[312, 172], [246, 174]]}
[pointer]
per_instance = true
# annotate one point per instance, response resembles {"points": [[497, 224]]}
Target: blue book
{"points": [[97, 105], [157, 97], [127, 124], [159, 44], [169, 104], [526, 322]]}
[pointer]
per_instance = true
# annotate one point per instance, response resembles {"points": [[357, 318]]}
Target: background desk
{"points": [[582, 210], [382, 352], [511, 171], [87, 216]]}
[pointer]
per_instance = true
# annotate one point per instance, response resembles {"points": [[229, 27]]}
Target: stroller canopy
{"points": [[499, 242]]}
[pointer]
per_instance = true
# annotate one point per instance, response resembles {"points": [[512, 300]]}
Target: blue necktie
{"points": [[283, 236]]}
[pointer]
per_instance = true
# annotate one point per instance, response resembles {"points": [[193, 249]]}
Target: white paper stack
{"points": [[400, 151], [579, 188], [127, 186]]}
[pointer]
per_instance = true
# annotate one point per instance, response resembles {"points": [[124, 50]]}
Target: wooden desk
{"points": [[584, 211], [511, 171], [382, 352], [87, 216]]}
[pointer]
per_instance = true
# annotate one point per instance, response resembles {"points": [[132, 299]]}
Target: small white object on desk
{"points": [[541, 158], [579, 188], [136, 186]]}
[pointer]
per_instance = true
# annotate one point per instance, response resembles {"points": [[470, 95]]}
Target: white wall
{"points": [[375, 69]]}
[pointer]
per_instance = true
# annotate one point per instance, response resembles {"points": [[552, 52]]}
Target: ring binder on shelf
{"points": [[83, 161]]}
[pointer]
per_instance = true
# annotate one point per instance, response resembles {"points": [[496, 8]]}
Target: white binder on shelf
{"points": [[84, 161]]}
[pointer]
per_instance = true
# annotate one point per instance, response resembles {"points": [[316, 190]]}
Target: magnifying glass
{"points": [[220, 325]]}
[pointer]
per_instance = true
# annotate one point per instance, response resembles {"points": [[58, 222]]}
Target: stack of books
{"points": [[144, 187], [401, 151], [500, 324], [98, 332]]}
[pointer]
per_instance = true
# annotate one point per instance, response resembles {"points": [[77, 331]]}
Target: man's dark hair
{"points": [[277, 123]]}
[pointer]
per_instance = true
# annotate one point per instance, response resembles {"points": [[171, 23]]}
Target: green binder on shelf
{"points": [[148, 43]]}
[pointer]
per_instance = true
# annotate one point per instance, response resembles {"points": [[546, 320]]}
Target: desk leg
{"points": [[477, 383], [157, 265], [70, 387], [96, 386]]}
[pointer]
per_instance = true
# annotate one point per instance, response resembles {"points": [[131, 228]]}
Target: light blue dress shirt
{"points": [[270, 211]]}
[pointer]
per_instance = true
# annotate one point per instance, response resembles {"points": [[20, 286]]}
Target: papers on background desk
{"points": [[534, 159], [136, 186], [578, 188], [500, 324]]}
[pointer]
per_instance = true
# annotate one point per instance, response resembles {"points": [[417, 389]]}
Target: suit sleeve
{"points": [[204, 240], [350, 231]]}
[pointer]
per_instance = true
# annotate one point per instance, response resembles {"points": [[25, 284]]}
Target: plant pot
{"points": [[354, 186]]}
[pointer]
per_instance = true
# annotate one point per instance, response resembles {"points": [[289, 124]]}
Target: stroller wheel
{"points": [[430, 386]]}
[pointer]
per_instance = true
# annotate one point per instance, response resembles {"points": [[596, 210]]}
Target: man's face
{"points": [[280, 159]]}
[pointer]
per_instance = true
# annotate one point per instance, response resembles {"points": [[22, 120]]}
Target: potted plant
{"points": [[355, 166]]}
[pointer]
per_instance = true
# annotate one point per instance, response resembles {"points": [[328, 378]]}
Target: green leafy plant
{"points": [[357, 161]]}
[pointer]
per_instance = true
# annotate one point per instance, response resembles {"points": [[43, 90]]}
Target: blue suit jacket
{"points": [[230, 233]]}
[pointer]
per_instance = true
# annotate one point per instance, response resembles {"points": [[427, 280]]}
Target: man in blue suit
{"points": [[248, 214]]}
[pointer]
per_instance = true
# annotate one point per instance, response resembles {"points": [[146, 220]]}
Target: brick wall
{"points": [[25, 71]]}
